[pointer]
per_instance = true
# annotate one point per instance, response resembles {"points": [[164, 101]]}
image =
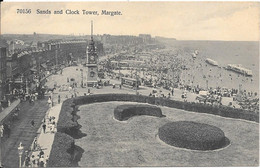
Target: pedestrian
{"points": [[44, 127], [50, 102], [41, 153], [8, 130], [32, 100], [172, 90], [52, 128], [33, 161], [2, 130], [46, 159], [27, 161], [59, 99], [32, 123], [41, 161], [50, 118]]}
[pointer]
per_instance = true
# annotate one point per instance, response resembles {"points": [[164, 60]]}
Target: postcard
{"points": [[129, 84]]}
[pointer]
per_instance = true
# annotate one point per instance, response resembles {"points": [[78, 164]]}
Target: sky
{"points": [[228, 21]]}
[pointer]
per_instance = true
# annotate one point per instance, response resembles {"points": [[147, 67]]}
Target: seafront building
{"points": [[3, 78]]}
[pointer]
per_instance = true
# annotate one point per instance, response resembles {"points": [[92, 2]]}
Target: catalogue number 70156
{"points": [[24, 11]]}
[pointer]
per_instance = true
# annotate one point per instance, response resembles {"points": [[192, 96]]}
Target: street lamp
{"points": [[82, 82], [20, 152], [1, 135]]}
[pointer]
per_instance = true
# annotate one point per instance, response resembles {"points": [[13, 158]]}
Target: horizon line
{"points": [[77, 35]]}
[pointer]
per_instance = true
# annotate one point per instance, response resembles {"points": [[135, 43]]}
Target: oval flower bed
{"points": [[126, 111], [192, 135]]}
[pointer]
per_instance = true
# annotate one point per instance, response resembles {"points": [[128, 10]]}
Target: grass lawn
{"points": [[135, 142]]}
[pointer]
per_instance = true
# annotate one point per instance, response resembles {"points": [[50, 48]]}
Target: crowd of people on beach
{"points": [[177, 69]]}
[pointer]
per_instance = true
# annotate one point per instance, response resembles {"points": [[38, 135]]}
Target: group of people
{"points": [[51, 124], [37, 158]]}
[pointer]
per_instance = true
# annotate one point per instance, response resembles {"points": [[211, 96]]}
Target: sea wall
{"points": [[67, 120]]}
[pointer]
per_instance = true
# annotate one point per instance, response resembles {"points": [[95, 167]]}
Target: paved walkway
{"points": [[45, 139]]}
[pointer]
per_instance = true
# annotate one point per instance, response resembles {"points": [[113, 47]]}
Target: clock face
{"points": [[92, 58]]}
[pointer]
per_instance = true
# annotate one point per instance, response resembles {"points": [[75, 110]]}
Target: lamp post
{"points": [[26, 86], [82, 82], [136, 82], [20, 152], [1, 135]]}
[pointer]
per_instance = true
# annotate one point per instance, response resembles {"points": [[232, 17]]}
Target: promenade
{"points": [[22, 131], [45, 139]]}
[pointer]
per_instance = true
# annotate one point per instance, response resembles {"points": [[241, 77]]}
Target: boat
{"points": [[211, 62], [239, 69]]}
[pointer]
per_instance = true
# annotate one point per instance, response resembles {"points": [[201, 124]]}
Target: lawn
{"points": [[135, 142]]}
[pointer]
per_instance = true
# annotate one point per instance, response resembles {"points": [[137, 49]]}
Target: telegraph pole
{"points": [[1, 135], [26, 87], [82, 82], [136, 81], [119, 58], [56, 56]]}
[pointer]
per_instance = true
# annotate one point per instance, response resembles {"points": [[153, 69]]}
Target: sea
{"points": [[200, 73]]}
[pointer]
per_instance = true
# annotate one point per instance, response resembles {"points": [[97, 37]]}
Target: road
{"points": [[22, 131], [74, 72]]}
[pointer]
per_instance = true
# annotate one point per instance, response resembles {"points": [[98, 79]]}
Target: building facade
{"points": [[3, 78]]}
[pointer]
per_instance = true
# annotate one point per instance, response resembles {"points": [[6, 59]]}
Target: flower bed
{"points": [[126, 111], [192, 135]]}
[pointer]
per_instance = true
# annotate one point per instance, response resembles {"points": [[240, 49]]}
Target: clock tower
{"points": [[91, 62]]}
